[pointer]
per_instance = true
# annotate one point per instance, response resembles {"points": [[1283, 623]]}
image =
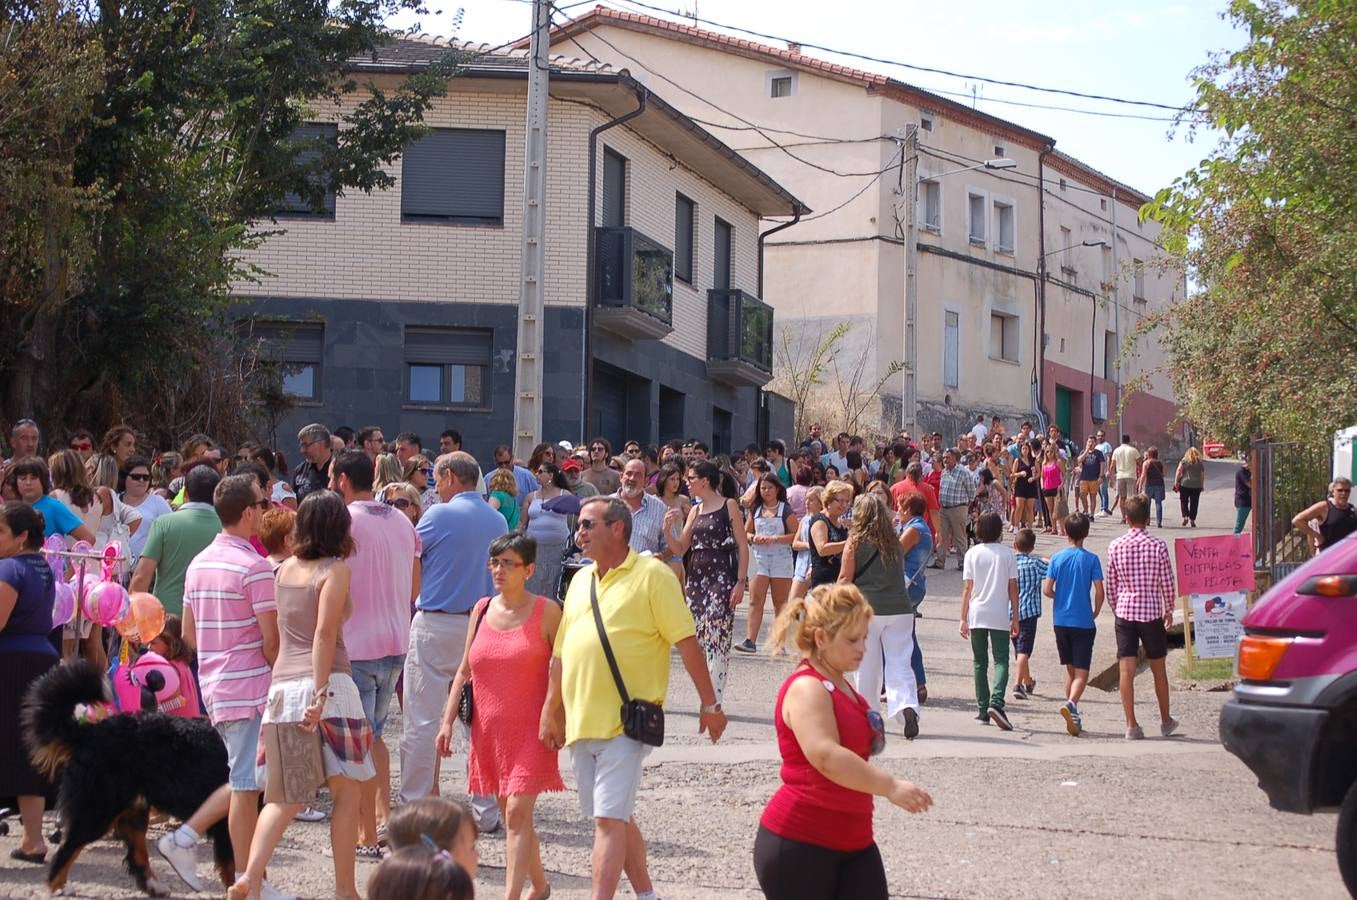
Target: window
{"points": [[977, 218], [930, 201], [780, 86], [1003, 226], [454, 176], [998, 151], [1102, 203], [309, 136], [1062, 184], [614, 189], [447, 367], [1110, 356], [723, 245], [1107, 269], [684, 216], [1003, 337], [1066, 254], [1138, 272], [926, 122], [951, 349], [293, 349]]}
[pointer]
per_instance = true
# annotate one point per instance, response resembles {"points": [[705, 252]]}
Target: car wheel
{"points": [[1346, 843]]}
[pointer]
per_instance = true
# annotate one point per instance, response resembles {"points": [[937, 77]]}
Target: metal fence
{"points": [[1287, 477]]}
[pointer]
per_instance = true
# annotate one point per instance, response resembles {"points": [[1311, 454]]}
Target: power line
{"points": [[1068, 109], [903, 65]]}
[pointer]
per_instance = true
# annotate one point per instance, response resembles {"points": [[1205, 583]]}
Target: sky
{"points": [[1142, 50]]}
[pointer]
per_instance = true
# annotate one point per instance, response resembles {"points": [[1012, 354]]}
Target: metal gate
{"points": [[1287, 477]]}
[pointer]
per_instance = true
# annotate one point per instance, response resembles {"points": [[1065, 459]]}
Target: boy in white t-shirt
{"points": [[989, 615]]}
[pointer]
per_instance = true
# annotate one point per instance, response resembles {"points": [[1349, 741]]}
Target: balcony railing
{"points": [[634, 284], [739, 338]]}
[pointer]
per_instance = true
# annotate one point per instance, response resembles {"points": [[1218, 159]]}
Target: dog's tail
{"points": [[50, 729]]}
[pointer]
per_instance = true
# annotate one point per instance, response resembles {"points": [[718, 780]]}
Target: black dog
{"points": [[111, 771]]}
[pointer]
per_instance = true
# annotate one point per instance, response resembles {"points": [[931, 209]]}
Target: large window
{"points": [[976, 214], [1003, 226], [456, 176], [684, 216], [309, 137], [293, 350], [1003, 337], [447, 367], [951, 349]]}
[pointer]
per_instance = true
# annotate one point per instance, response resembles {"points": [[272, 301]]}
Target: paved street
{"points": [[1030, 813]]}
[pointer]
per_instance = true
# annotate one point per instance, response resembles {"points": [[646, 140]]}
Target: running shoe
{"points": [[1019, 692], [1135, 733], [1073, 722], [1169, 727], [184, 860], [310, 814], [747, 646]]}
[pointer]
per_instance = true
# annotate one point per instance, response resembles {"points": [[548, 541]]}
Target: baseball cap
{"points": [[572, 465], [566, 446]]}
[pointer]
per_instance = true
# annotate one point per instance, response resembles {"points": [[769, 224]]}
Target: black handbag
{"points": [[466, 701], [641, 720]]}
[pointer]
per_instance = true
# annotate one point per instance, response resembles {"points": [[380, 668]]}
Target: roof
{"points": [[611, 90], [874, 82], [1068, 165]]}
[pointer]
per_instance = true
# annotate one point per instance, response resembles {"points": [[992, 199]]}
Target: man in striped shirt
{"points": [[647, 510], [231, 618], [1141, 593]]}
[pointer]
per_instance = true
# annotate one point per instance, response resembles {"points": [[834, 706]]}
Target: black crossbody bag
{"points": [[641, 720], [466, 702]]}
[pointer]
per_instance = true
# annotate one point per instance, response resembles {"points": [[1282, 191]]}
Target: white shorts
{"points": [[774, 561], [608, 774]]}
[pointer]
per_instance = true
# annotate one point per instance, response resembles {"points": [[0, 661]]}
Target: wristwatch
{"points": [[707, 710]]}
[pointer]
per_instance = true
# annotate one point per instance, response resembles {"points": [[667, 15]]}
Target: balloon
{"points": [[144, 619], [105, 602], [63, 610]]}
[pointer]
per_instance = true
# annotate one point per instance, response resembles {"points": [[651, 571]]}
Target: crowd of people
{"points": [[507, 610]]}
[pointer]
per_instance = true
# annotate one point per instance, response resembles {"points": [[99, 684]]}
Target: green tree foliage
{"points": [[142, 143], [1267, 226]]}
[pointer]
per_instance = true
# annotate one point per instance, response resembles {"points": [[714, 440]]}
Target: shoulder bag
{"points": [[641, 720], [466, 701]]}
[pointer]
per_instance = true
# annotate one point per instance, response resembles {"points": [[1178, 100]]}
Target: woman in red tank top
{"points": [[815, 836]]}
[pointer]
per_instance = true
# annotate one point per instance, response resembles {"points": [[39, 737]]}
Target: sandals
{"points": [[372, 853]]}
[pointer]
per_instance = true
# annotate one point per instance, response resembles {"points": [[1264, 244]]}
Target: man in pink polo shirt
{"points": [[384, 585], [231, 618]]}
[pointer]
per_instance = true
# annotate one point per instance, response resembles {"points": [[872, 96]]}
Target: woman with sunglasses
{"points": [[828, 537], [815, 836], [508, 658], [547, 527], [404, 497], [137, 494], [1331, 519]]}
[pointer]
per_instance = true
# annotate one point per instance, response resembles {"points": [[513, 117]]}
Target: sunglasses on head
{"points": [[878, 726], [399, 503]]}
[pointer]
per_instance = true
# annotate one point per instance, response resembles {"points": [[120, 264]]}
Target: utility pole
{"points": [[909, 400], [528, 378], [1116, 325]]}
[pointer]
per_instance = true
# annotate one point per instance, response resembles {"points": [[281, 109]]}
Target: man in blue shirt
{"points": [[1069, 578], [455, 538], [523, 478]]}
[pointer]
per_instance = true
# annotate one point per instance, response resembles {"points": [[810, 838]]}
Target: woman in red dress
{"points": [[507, 659]]}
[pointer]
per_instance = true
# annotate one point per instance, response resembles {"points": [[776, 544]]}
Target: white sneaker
{"points": [[310, 814], [184, 860], [269, 892]]}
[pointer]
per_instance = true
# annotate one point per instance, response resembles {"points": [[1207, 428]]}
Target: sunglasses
{"points": [[597, 449], [497, 564], [399, 503], [878, 726], [139, 476], [82, 445], [426, 470]]}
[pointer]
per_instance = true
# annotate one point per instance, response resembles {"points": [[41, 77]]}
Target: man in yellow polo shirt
{"points": [[644, 614]]}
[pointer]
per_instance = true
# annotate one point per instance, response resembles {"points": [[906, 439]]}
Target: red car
{"points": [[1214, 449]]}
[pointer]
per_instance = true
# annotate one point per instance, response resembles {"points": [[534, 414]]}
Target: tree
{"points": [[1267, 227], [164, 134], [828, 382]]}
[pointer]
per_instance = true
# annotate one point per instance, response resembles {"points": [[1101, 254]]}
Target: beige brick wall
{"points": [[366, 252]]}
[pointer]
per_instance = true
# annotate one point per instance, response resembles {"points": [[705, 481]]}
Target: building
{"points": [[400, 307], [1020, 309]]}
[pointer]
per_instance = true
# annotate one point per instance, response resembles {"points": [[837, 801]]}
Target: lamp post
{"points": [[909, 405]]}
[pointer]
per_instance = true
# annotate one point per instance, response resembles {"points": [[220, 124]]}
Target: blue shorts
{"points": [[376, 680], [241, 737], [1075, 646], [1027, 635]]}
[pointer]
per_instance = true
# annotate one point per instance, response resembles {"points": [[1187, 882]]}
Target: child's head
{"points": [[989, 527], [1076, 528], [444, 823], [418, 873], [1025, 541], [170, 642]]}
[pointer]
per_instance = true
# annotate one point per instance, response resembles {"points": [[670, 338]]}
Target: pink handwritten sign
{"points": [[1212, 565]]}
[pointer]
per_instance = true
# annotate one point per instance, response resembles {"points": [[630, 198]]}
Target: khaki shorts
{"points": [[1088, 487], [1126, 487]]}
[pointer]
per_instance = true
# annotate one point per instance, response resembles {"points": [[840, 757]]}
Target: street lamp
{"points": [[909, 411], [1072, 246]]}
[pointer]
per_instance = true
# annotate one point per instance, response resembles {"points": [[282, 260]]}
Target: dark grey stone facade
{"points": [[643, 390]]}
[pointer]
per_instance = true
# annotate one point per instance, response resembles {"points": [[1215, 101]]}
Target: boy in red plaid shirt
{"points": [[1141, 593]]}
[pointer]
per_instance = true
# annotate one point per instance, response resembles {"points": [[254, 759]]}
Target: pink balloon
{"points": [[63, 610], [106, 603]]}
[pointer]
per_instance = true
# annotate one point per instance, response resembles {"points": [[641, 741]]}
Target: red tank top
{"points": [[809, 807]]}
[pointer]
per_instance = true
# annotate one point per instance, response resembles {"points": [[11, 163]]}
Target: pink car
{"points": [[1293, 719]]}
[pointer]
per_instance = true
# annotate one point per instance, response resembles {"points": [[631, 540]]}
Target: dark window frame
{"points": [[681, 258], [277, 348], [290, 206], [447, 360], [415, 208]]}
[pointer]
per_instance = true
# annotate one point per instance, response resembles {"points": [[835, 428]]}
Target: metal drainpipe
{"points": [[759, 421], [1038, 408], [590, 282]]}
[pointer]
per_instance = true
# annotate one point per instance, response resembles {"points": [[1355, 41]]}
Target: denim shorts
{"points": [[241, 737], [376, 680], [1027, 635], [608, 773]]}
